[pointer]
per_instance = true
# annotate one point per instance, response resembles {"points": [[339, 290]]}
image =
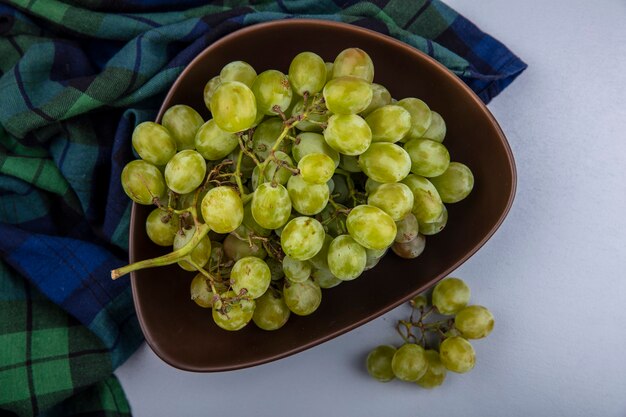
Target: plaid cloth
{"points": [[75, 78]]}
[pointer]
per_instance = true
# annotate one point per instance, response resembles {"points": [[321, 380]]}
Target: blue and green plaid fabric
{"points": [[75, 78]]}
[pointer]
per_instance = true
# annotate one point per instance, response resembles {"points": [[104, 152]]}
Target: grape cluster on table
{"points": [[298, 182]]}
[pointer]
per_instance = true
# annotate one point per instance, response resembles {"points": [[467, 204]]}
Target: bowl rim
{"points": [[176, 362]]}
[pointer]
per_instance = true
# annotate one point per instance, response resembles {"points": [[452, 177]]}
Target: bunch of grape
{"points": [[431, 349], [299, 182]]}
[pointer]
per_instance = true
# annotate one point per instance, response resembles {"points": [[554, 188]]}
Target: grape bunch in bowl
{"points": [[299, 182]]}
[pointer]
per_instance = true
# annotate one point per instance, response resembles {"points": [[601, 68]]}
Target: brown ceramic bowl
{"points": [[183, 334]]}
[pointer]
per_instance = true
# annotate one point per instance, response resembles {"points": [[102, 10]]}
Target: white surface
{"points": [[553, 275]]}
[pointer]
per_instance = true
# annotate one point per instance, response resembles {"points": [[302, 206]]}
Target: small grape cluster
{"points": [[297, 183], [431, 348]]}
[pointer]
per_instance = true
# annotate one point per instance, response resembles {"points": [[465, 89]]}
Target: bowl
{"points": [[184, 335]]}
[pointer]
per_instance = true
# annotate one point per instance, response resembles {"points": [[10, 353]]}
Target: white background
{"points": [[554, 274]]}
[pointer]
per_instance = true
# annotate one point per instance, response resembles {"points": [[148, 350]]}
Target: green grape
{"points": [[378, 363], [437, 129], [234, 107], [182, 122], [437, 226], [222, 209], [302, 238], [142, 182], [395, 199], [265, 136], [380, 97], [209, 90], [316, 168], [218, 255], [199, 255], [238, 71], [162, 232], [409, 362], [348, 134], [320, 260], [354, 62], [235, 315], [271, 312], [213, 143], [276, 269], [334, 222], [474, 322], [249, 227], [271, 206], [350, 163], [346, 258], [436, 372], [307, 73], [427, 205], [307, 198], [252, 275], [341, 193], [428, 158], [371, 227], [313, 143], [153, 143], [451, 295], [236, 249], [302, 298], [385, 162], [329, 71], [408, 229], [373, 254], [273, 172], [420, 116], [389, 123], [296, 271], [308, 124], [185, 171], [419, 301], [247, 163], [371, 185], [201, 294], [455, 183], [371, 263], [411, 249], [457, 354], [331, 186], [347, 95], [324, 278], [271, 88]]}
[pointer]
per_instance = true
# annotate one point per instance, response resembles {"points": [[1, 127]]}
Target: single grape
{"points": [[371, 227], [395, 199], [411, 249], [436, 372], [371, 263], [419, 301], [313, 121], [354, 62], [348, 134], [451, 295], [346, 258], [313, 143], [154, 143], [218, 255], [437, 226], [375, 253], [408, 229], [296, 271], [142, 182], [428, 158], [378, 363], [213, 143], [265, 136], [427, 205], [457, 354], [420, 116], [302, 238], [307, 198], [233, 315], [238, 71], [320, 260], [474, 322], [247, 163], [222, 209], [199, 255], [347, 95], [324, 278], [209, 90], [237, 249], [271, 312], [329, 71], [302, 298], [371, 185], [380, 97], [273, 172], [271, 88], [276, 268], [385, 162], [455, 183], [234, 107], [409, 362], [331, 186], [341, 192], [350, 163], [159, 231], [389, 123], [185, 171], [316, 168], [271, 205], [200, 291], [249, 227], [437, 129], [252, 275], [307, 73], [182, 122]]}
